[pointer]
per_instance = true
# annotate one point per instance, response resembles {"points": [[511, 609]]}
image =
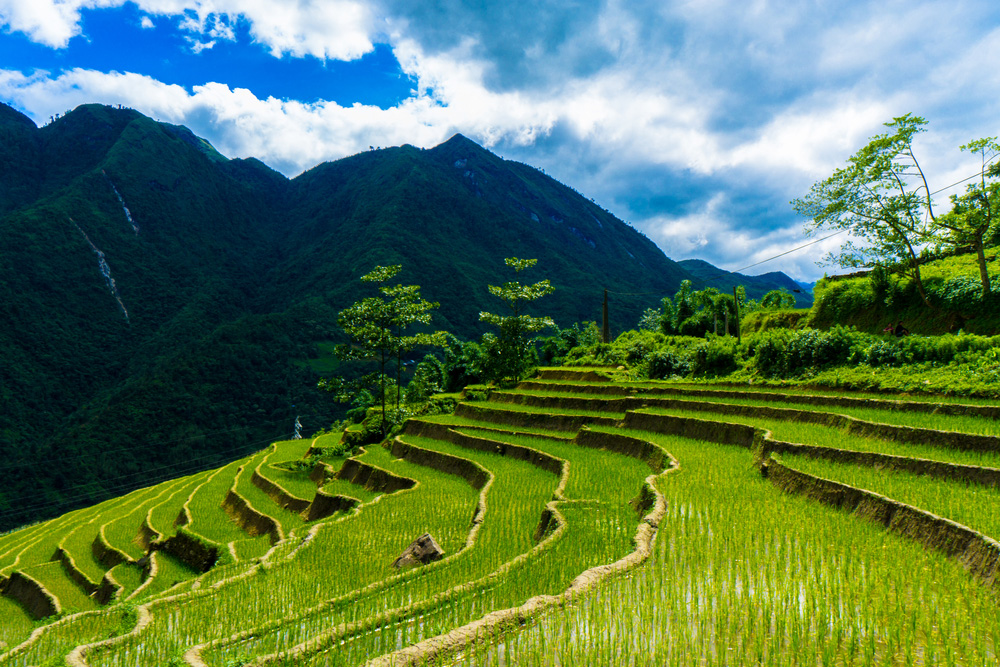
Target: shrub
{"points": [[663, 363], [716, 356]]}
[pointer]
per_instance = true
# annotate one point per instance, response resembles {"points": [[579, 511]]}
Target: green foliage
{"points": [[665, 363], [877, 198], [716, 356], [510, 353], [872, 301], [778, 299], [783, 354], [554, 348], [377, 330], [696, 313], [975, 216], [765, 320], [233, 281]]}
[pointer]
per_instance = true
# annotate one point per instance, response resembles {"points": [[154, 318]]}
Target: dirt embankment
{"points": [[476, 476], [937, 469], [565, 402], [73, 572], [725, 433], [30, 594], [652, 455], [279, 495], [977, 552], [372, 478], [604, 389], [197, 552], [520, 419], [327, 504], [455, 436], [105, 554], [249, 519], [908, 434], [567, 374]]}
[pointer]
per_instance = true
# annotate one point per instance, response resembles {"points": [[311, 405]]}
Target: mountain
{"points": [[707, 275], [156, 293]]}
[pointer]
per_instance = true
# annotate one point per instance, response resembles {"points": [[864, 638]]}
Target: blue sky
{"points": [[694, 121]]}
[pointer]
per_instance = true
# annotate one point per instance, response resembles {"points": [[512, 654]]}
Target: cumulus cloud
{"points": [[327, 29], [694, 129]]}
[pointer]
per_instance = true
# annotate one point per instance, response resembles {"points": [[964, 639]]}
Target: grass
{"points": [[475, 423], [744, 575], [55, 580], [343, 556], [208, 518], [959, 423], [296, 483], [514, 507], [601, 525], [796, 388], [122, 529], [942, 422], [826, 436], [163, 515], [260, 501], [16, 626], [514, 407], [969, 504]]}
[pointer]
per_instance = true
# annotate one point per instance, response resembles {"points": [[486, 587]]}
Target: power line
{"points": [[788, 252], [107, 452], [805, 245], [116, 486], [750, 266]]}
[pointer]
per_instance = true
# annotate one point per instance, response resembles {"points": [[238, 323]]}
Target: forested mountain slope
{"points": [[155, 292]]}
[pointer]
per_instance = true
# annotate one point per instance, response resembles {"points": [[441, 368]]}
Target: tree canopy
{"points": [[880, 197], [508, 352]]}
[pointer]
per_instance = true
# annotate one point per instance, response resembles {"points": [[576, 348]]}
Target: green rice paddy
{"points": [[740, 572]]}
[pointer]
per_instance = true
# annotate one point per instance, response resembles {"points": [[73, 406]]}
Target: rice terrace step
{"points": [[582, 518]]}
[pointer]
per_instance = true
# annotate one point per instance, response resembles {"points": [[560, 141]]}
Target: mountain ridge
{"points": [[157, 291]]}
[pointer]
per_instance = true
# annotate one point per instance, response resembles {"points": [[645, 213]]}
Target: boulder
{"points": [[423, 550]]}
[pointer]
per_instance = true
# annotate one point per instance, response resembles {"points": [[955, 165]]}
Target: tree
{"points": [[677, 310], [408, 308], [650, 320], [508, 352], [777, 299], [880, 198], [377, 329], [975, 215]]}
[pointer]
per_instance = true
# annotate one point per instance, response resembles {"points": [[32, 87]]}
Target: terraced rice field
{"points": [[582, 521]]}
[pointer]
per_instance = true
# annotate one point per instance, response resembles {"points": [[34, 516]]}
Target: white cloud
{"points": [[328, 29], [610, 96], [146, 23], [47, 21], [198, 46]]}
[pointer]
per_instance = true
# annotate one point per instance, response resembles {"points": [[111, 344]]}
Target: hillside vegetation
{"points": [[877, 298], [165, 308], [583, 520]]}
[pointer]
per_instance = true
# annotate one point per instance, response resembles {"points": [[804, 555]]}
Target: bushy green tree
{"points": [[880, 197], [777, 299], [650, 320], [975, 215], [509, 351], [377, 327], [554, 348]]}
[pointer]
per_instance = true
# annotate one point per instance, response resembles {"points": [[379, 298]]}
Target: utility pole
{"points": [[736, 303], [606, 329]]}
